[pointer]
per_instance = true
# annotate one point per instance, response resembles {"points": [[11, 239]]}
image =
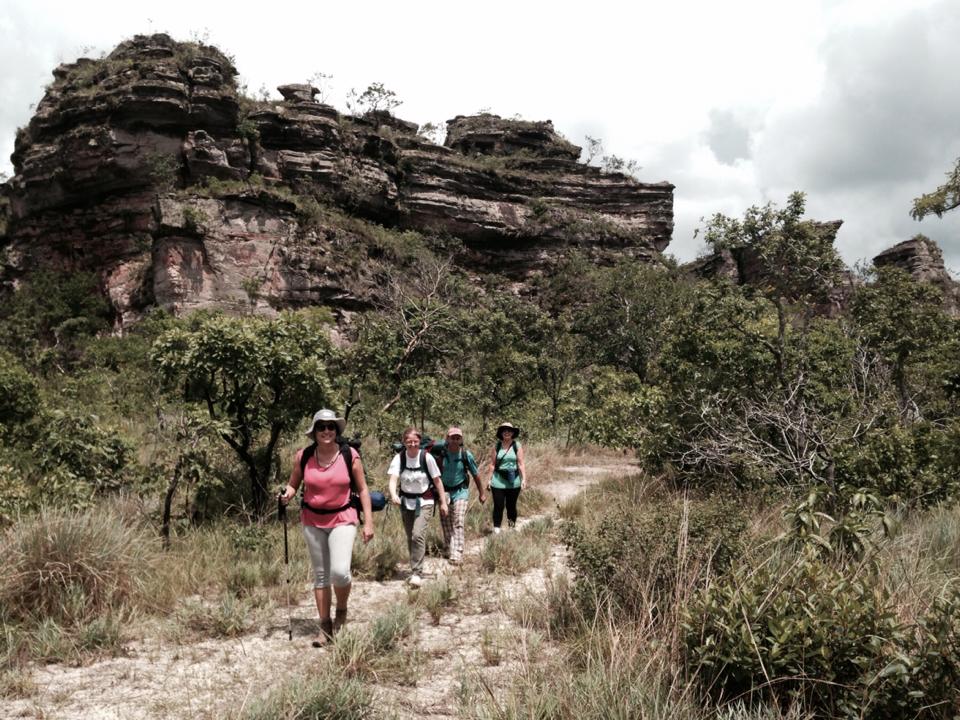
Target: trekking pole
{"points": [[282, 516]]}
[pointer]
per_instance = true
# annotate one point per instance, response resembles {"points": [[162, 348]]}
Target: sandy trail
{"points": [[217, 678]]}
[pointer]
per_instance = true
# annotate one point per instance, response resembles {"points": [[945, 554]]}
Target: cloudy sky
{"points": [[737, 103]]}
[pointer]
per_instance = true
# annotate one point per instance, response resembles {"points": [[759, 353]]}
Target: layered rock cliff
{"points": [[150, 168]]}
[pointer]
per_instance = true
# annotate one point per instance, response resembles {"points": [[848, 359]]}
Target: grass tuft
{"points": [[436, 597], [513, 553], [72, 567], [327, 693], [230, 616]]}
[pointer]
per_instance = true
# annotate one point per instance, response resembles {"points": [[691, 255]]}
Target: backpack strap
{"points": [[305, 456], [348, 459], [496, 465], [466, 473], [423, 466]]}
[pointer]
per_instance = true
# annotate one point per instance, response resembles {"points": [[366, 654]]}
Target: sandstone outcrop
{"points": [[150, 168], [922, 258]]}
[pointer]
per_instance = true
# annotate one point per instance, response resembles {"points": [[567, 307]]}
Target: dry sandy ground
{"points": [[218, 678]]}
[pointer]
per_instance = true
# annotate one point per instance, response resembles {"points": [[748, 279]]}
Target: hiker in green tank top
{"points": [[456, 468], [508, 474]]}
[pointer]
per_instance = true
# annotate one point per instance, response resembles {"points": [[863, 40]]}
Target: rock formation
{"points": [[152, 169], [922, 258]]}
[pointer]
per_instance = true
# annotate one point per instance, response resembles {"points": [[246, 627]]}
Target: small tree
{"points": [[901, 319], [795, 261], [259, 376], [593, 150], [375, 100], [323, 84]]}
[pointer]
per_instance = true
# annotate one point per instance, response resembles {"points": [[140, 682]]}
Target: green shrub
{"points": [[922, 678], [15, 494], [77, 459], [917, 464], [19, 392], [50, 315], [804, 633]]}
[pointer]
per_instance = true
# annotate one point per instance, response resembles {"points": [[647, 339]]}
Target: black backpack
{"points": [[513, 446]]}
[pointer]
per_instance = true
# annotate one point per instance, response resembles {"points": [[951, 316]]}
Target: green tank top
{"points": [[507, 460]]}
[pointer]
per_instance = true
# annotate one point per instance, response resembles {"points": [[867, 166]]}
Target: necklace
{"points": [[325, 465]]}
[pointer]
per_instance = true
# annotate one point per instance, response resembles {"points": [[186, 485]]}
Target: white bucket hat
{"points": [[326, 415]]}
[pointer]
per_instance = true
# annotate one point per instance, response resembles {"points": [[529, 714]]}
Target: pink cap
{"points": [[454, 431]]}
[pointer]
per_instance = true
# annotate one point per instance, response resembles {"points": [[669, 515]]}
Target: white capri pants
{"points": [[331, 550]]}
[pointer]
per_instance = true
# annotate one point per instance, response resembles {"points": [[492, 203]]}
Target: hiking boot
{"points": [[415, 580], [340, 620], [326, 633]]}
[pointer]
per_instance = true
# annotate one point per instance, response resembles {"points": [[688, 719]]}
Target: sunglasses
{"points": [[321, 426]]}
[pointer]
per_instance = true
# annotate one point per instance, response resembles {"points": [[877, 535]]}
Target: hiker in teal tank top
{"points": [[508, 474], [456, 468]]}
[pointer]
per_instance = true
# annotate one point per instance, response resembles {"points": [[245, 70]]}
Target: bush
{"points": [[633, 557], [50, 315], [19, 392], [78, 460], [72, 567], [15, 495], [917, 464], [803, 633]]}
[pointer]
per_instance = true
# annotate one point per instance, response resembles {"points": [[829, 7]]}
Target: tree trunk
{"points": [[167, 506], [258, 489]]}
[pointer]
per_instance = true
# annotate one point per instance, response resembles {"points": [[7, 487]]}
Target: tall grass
{"points": [[72, 567], [513, 553], [606, 669], [378, 559]]}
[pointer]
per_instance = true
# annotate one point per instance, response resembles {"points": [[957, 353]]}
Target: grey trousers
{"points": [[416, 528]]}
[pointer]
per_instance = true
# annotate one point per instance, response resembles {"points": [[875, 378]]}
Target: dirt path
{"points": [[477, 638]]}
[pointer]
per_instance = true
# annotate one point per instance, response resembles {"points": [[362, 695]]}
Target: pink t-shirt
{"points": [[326, 488]]}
